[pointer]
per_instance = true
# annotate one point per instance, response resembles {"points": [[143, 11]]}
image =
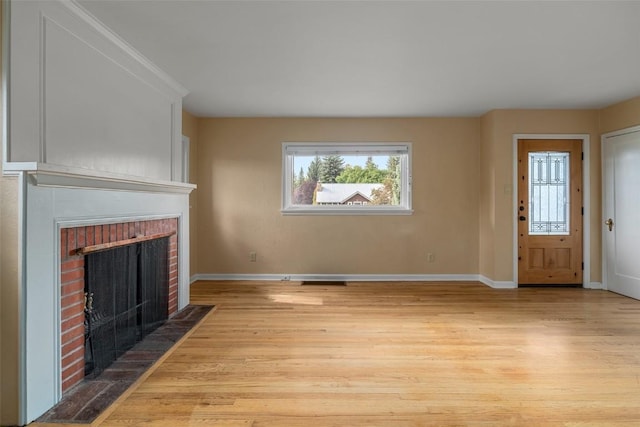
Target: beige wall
{"points": [[239, 197], [9, 297], [190, 129], [620, 116], [497, 208], [9, 300], [462, 174]]}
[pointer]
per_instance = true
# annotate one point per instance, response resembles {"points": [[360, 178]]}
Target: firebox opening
{"points": [[126, 298]]}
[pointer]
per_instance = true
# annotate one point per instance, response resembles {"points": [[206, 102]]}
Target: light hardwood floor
{"points": [[396, 354]]}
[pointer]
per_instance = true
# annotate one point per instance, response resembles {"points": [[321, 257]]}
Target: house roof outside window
{"points": [[341, 193]]}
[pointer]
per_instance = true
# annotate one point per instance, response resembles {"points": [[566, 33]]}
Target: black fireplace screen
{"points": [[127, 298]]}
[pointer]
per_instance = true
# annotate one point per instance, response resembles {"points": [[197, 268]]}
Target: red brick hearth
{"points": [[72, 282]]}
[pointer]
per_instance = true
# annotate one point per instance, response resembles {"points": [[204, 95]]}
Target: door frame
{"points": [[586, 202], [603, 139]]}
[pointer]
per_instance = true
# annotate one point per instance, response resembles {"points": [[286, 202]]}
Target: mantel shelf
{"points": [[45, 174]]}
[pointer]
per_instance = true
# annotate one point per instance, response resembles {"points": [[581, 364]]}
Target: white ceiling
{"points": [[385, 58]]}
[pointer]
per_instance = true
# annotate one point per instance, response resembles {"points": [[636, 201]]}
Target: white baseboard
{"points": [[345, 277], [497, 284], [372, 278], [596, 285], [255, 277]]}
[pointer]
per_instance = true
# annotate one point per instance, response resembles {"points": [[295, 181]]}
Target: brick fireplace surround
{"points": [[72, 282]]}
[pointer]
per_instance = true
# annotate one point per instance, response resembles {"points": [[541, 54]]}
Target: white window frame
{"points": [[291, 149]]}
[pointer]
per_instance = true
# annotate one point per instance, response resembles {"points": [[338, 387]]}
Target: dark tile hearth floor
{"points": [[83, 403]]}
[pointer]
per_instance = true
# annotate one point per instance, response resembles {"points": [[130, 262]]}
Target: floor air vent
{"points": [[325, 282]]}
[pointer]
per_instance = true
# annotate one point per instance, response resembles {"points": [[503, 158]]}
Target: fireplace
{"points": [[62, 214], [92, 333]]}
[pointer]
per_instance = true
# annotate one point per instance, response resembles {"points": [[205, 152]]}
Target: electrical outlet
{"points": [[253, 257], [431, 257]]}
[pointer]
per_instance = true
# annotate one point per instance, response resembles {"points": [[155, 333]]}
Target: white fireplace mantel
{"points": [[46, 209]]}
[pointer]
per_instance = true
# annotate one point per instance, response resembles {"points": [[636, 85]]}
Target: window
{"points": [[549, 193], [346, 178]]}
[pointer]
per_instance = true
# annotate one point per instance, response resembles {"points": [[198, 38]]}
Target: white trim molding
{"points": [[620, 132], [497, 284], [596, 285], [162, 78], [586, 199]]}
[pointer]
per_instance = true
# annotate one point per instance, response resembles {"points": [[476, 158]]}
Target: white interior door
{"points": [[621, 208]]}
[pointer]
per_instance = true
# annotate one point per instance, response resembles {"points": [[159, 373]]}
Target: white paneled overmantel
{"points": [[93, 132], [81, 97]]}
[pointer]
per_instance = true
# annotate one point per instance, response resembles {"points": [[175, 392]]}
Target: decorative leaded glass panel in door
{"points": [[549, 193]]}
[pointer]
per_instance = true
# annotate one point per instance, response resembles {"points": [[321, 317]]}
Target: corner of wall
{"points": [[619, 116], [190, 129], [487, 195]]}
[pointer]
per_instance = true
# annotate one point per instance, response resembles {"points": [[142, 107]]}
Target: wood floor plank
{"points": [[397, 354]]}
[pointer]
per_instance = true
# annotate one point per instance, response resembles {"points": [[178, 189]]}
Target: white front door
{"points": [[621, 212]]}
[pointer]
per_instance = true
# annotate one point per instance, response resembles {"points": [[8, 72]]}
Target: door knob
{"points": [[609, 222]]}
